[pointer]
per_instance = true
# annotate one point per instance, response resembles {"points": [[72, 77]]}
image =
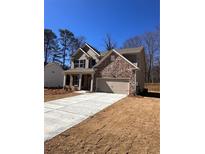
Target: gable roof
{"points": [[131, 50], [113, 50], [93, 49], [80, 49], [90, 47], [126, 51]]}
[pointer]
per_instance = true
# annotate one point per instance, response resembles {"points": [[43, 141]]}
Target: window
{"points": [[82, 63], [92, 62], [79, 63], [76, 63], [112, 58]]}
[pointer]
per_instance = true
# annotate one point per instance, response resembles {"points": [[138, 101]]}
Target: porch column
{"points": [[71, 80], [80, 81], [91, 82], [64, 80]]}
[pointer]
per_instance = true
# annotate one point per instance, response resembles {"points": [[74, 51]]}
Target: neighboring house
{"points": [[115, 71], [53, 75]]}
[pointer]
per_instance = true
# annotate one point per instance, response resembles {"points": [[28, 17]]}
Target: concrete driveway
{"points": [[59, 115]]}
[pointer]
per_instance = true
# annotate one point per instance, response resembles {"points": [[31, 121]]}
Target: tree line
{"points": [[151, 43], [59, 49]]}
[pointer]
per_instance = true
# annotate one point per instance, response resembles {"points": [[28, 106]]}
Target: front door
{"points": [[86, 79]]}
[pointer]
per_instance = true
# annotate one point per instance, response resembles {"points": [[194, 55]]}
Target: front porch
{"points": [[81, 79]]}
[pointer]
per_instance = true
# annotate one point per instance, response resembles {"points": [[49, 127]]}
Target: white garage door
{"points": [[120, 86]]}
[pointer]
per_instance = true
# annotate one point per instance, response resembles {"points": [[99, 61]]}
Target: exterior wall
{"points": [[93, 55], [142, 66], [118, 69], [139, 60], [140, 79], [53, 75], [82, 56]]}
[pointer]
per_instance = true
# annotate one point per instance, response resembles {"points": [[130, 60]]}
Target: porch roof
{"points": [[79, 70]]}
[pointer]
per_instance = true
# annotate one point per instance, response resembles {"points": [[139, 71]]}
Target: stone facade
{"points": [[115, 66]]}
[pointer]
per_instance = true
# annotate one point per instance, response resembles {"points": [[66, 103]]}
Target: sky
{"points": [[93, 19]]}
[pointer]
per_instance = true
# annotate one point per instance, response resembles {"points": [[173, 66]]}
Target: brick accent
{"points": [[119, 68]]}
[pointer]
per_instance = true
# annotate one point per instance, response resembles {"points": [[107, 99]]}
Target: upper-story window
{"points": [[82, 63], [76, 63], [79, 63], [92, 62]]}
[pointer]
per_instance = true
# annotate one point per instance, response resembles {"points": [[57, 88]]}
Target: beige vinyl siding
{"points": [[53, 75], [93, 55]]}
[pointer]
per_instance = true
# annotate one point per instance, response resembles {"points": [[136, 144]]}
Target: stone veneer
{"points": [[119, 69]]}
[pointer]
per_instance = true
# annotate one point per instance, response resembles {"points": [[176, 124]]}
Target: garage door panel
{"points": [[113, 85]]}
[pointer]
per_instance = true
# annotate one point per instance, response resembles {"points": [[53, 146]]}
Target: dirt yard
{"points": [[53, 94], [132, 125]]}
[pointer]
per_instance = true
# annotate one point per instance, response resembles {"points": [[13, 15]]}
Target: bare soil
{"points": [[132, 125], [53, 94]]}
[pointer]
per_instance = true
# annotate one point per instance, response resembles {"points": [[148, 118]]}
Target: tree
{"points": [[151, 45], [133, 42], [57, 54], [66, 40], [109, 43], [151, 42], [49, 43], [77, 42]]}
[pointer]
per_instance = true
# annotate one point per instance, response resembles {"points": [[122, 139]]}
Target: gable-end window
{"points": [[112, 58], [79, 63]]}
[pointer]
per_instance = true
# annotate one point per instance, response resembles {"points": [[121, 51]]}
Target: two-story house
{"points": [[116, 71]]}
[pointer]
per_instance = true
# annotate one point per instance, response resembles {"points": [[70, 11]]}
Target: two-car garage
{"points": [[112, 85]]}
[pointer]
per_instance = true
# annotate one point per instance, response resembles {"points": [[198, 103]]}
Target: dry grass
{"points": [[132, 125], [53, 94]]}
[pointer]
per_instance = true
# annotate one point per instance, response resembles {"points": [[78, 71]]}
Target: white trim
{"points": [[64, 80], [81, 51], [92, 49], [91, 82], [84, 52]]}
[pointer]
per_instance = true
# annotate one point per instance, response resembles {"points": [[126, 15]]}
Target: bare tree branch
{"points": [[109, 43]]}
